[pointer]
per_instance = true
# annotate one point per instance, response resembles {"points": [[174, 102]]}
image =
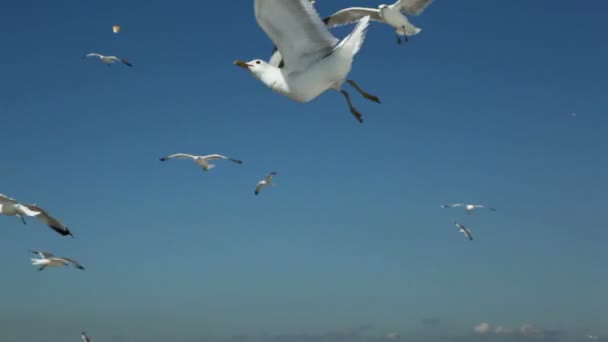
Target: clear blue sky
{"points": [[352, 240]]}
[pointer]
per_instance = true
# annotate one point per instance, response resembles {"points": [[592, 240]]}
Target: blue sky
{"points": [[352, 240]]}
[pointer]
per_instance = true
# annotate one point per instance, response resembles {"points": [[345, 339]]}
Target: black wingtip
{"points": [[326, 20], [163, 159]]}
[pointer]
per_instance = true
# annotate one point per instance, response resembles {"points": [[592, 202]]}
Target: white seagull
{"points": [[389, 14], [11, 207], [468, 208], [464, 230], [202, 161], [84, 337], [49, 260], [108, 60], [315, 60], [264, 182]]}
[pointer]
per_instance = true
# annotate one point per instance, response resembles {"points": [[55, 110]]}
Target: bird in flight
{"points": [[311, 60], [468, 208], [47, 259], [264, 182], [464, 230], [108, 60], [10, 207], [392, 15], [202, 161]]}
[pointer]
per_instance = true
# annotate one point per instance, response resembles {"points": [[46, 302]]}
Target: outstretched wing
{"points": [[452, 205], [43, 255], [268, 177], [74, 262], [7, 200], [49, 220], [178, 156], [351, 15], [296, 29], [413, 7]]}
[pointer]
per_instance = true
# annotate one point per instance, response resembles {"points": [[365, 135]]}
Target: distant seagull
{"points": [[573, 115], [202, 161], [49, 260], [389, 14], [84, 337], [108, 59], [464, 230], [10, 207], [593, 338], [468, 208], [265, 182]]}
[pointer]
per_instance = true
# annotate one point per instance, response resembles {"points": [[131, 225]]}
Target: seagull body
{"points": [[464, 230], [392, 15], [49, 260], [264, 182], [11, 207], [468, 208], [314, 60], [202, 161], [84, 337], [108, 60]]}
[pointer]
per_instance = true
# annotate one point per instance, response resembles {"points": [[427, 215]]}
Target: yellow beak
{"points": [[242, 64]]}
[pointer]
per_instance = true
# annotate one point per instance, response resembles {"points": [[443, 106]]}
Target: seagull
{"points": [[203, 161], [315, 60], [84, 337], [389, 14], [265, 182], [10, 207], [108, 60], [49, 260], [464, 230], [592, 337], [468, 208]]}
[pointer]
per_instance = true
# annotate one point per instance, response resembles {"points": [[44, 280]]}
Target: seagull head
{"points": [[256, 66], [381, 7]]}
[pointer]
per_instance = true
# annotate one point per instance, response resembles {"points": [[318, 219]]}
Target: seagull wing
{"points": [[268, 177], [467, 232], [452, 205], [73, 262], [276, 60], [413, 7], [49, 220], [259, 187], [94, 54], [43, 255], [214, 157], [85, 338], [350, 15], [7, 200], [125, 62], [296, 29], [179, 156]]}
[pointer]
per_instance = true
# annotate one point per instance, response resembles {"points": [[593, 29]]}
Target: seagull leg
{"points": [[363, 93], [41, 268], [398, 39], [405, 38], [353, 110], [22, 219]]}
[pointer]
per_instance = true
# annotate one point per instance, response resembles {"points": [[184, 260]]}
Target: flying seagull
{"points": [[49, 260], [315, 60], [84, 337], [389, 14], [202, 161], [464, 230], [468, 208], [264, 182], [11, 207], [108, 60]]}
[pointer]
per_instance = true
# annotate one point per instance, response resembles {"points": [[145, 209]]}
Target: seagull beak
{"points": [[242, 64]]}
